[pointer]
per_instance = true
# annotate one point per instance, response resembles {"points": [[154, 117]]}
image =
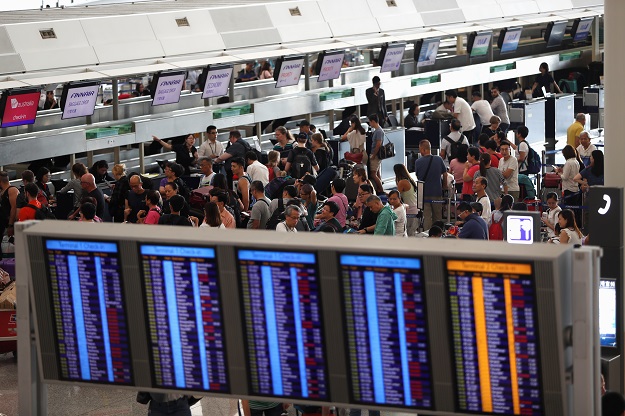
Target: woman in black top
{"points": [[186, 153], [412, 119], [323, 152], [544, 79]]}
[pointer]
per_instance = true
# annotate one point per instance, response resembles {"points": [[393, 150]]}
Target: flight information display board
{"points": [[88, 311], [184, 317], [283, 325], [387, 343], [493, 311]]}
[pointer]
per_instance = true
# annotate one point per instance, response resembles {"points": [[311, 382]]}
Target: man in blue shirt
{"points": [[475, 227], [429, 169]]}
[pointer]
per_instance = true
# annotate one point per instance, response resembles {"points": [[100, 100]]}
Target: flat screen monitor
{"points": [[79, 98], [186, 341], [391, 56], [495, 340], [329, 64], [607, 312], [166, 87], [288, 70], [555, 33], [19, 106], [387, 335], [478, 43], [581, 29], [217, 80], [88, 311], [283, 326], [509, 38], [425, 51], [521, 227]]}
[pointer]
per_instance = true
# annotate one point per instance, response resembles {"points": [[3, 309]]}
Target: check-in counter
{"points": [[559, 114], [530, 113]]}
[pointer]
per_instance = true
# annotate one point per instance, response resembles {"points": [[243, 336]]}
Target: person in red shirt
{"points": [[27, 212]]}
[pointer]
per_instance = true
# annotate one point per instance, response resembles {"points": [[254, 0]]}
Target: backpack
{"points": [[183, 189], [301, 163], [533, 160], [495, 230], [453, 151], [274, 188], [42, 213], [277, 217]]}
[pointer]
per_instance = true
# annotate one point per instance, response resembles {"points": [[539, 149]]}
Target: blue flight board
{"points": [[387, 338], [88, 311], [184, 317], [282, 322], [493, 310]]}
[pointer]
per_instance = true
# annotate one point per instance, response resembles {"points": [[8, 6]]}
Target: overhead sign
{"points": [[217, 81], [290, 72], [168, 87], [19, 108], [79, 100]]}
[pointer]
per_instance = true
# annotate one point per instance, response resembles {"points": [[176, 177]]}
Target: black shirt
{"points": [[174, 219], [369, 218], [236, 149], [185, 156], [99, 197], [546, 81]]}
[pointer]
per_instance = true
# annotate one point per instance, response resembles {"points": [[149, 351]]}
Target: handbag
{"points": [[386, 150], [354, 157]]}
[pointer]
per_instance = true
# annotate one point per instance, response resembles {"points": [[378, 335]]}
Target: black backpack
{"points": [[534, 163], [42, 213], [277, 217], [301, 163], [453, 151], [183, 189]]}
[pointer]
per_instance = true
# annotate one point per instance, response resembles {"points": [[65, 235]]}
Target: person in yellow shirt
{"points": [[575, 129]]}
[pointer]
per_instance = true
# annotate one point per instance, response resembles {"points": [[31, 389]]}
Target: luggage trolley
{"points": [[8, 328]]}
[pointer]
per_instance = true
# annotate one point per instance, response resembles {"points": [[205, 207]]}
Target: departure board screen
{"points": [[185, 327], [283, 325], [385, 317], [493, 310], [88, 311]]}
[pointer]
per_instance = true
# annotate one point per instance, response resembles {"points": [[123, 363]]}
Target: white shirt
{"points": [[486, 213], [569, 170], [465, 114], [482, 108], [455, 136], [586, 152], [208, 148], [400, 222], [525, 148], [204, 225], [205, 180], [283, 228], [552, 216], [258, 172], [513, 180]]}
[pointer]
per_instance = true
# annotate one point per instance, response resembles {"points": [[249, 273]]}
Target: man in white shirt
{"points": [[479, 188], [454, 135], [481, 107], [206, 166], [212, 147], [292, 214], [256, 170], [509, 167], [462, 111], [585, 148], [523, 148]]}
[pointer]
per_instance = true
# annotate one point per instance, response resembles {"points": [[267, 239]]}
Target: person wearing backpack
{"points": [[30, 210], [474, 227], [301, 159], [523, 148], [495, 230], [450, 143]]}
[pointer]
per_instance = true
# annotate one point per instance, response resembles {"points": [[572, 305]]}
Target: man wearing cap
{"points": [[304, 127], [475, 227], [376, 101]]}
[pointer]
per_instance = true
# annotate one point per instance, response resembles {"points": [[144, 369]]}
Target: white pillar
{"points": [[614, 31]]}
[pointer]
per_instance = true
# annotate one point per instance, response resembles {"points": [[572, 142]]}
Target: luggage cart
{"points": [[8, 331]]}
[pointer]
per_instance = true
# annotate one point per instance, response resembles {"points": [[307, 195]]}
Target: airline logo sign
{"points": [[80, 101], [20, 109], [217, 82], [392, 59], [481, 44], [582, 30], [168, 89], [331, 67], [290, 73]]}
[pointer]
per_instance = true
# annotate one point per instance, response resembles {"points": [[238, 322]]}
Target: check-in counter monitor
{"points": [[184, 317], [283, 324], [304, 318]]}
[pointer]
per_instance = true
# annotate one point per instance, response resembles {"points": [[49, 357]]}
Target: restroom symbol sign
{"points": [[520, 229]]}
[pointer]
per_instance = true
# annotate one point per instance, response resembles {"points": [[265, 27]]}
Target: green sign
{"points": [[569, 56], [415, 82], [335, 95], [501, 68]]}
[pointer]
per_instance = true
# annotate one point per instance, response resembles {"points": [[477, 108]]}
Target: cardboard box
{"points": [[8, 298]]}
